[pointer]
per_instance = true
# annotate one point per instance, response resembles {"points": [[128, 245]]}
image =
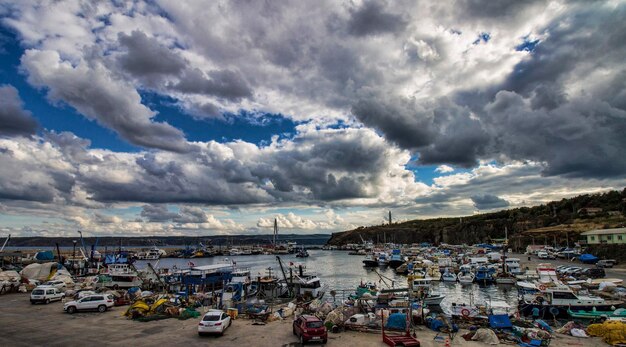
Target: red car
{"points": [[310, 328]]}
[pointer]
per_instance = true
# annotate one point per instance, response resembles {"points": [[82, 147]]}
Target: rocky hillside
{"points": [[556, 218]]}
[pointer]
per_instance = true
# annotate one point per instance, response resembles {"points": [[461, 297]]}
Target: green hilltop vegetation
{"points": [[554, 221]]}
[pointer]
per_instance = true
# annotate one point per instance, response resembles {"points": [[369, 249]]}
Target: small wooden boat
{"points": [[620, 313]]}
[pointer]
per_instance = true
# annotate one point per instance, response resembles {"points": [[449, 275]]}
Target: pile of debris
{"points": [[35, 274], [9, 281], [148, 307]]}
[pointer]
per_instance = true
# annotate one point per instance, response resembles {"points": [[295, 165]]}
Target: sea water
{"points": [[343, 272]]}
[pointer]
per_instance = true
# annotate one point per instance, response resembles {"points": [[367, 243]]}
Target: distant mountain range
{"points": [[113, 241], [561, 220]]}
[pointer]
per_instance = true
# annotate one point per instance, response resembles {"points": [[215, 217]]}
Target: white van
{"points": [[45, 294]]}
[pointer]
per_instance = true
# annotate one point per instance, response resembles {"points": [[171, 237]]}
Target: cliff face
{"points": [[485, 227]]}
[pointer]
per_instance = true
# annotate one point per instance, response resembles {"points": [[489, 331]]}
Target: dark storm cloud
{"points": [[371, 19], [488, 202], [145, 56], [14, 120], [221, 83], [492, 9], [529, 116], [442, 133], [157, 213]]}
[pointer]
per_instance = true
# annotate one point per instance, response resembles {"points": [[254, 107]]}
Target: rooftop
{"points": [[605, 231]]}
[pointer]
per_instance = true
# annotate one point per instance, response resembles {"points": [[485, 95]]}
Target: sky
{"points": [[213, 118]]}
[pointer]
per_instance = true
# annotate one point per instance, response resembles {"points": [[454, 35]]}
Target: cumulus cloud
{"points": [[95, 93], [146, 56], [14, 120], [444, 169]]}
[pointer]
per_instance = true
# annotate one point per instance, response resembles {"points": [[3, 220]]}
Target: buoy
{"points": [[542, 287], [447, 342], [465, 312]]}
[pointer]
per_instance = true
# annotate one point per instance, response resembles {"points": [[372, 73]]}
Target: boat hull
{"points": [[395, 263], [370, 263], [434, 300], [506, 280], [559, 311]]}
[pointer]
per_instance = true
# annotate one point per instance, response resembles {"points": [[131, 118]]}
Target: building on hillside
{"points": [[605, 236], [589, 211]]}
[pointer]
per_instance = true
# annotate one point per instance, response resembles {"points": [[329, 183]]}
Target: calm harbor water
{"points": [[342, 271]]}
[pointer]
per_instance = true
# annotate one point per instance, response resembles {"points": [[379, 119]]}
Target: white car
{"points": [[98, 302], [214, 322], [45, 294], [60, 285]]}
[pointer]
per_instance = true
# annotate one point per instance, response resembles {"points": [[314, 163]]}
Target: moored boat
{"points": [[396, 259], [448, 276], [370, 261], [555, 302]]}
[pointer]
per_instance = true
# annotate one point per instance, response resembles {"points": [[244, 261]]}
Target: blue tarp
{"points": [[500, 321], [44, 255], [588, 258], [396, 321]]}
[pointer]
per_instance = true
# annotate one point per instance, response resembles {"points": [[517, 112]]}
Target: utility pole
{"points": [[389, 217]]}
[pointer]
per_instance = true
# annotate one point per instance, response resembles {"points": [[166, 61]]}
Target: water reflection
{"points": [[342, 271]]}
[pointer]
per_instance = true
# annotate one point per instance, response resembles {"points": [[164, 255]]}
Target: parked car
{"points": [[606, 263], [309, 328], [214, 322], [592, 273], [572, 270], [45, 294], [99, 302], [545, 255], [60, 285]]}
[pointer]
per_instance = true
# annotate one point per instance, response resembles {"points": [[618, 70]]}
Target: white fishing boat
{"points": [[466, 278], [448, 276], [420, 288], [121, 276], [152, 254]]}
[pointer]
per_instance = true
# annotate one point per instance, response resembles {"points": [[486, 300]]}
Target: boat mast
{"points": [[5, 242], [506, 244], [275, 230]]}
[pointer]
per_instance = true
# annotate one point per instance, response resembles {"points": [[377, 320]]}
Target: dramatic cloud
{"points": [[488, 202], [96, 94], [527, 97], [145, 56], [14, 120]]}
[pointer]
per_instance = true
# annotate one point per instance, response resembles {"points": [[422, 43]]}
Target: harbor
{"points": [[443, 292]]}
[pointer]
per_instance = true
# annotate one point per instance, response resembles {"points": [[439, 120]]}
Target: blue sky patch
{"points": [[527, 45], [484, 37]]}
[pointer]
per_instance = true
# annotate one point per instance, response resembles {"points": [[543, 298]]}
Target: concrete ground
{"points": [[23, 324]]}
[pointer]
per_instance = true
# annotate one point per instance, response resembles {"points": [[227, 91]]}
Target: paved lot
{"points": [[23, 324]]}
